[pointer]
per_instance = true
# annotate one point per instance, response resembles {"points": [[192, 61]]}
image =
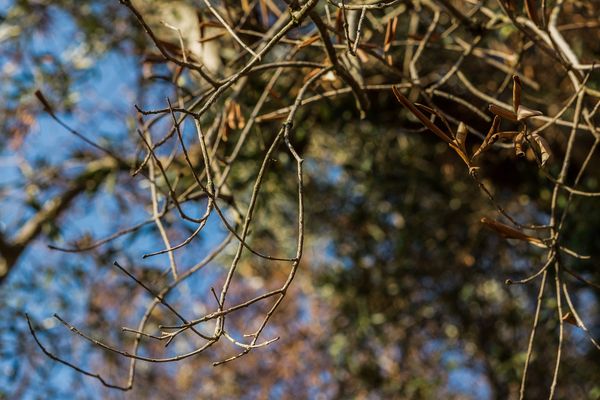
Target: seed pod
{"points": [[461, 134], [488, 141], [518, 141], [524, 113], [544, 147], [503, 112]]}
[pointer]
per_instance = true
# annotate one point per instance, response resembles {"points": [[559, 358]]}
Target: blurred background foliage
{"points": [[401, 292]]}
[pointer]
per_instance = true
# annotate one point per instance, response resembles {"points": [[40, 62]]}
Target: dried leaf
{"points": [[42, 99], [390, 34], [406, 103], [461, 134], [509, 232], [524, 113], [231, 115], [427, 122], [544, 147], [241, 121], [518, 142], [387, 38], [503, 112], [488, 141], [234, 118], [531, 11], [516, 92]]}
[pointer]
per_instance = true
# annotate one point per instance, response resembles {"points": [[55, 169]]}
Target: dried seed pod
{"points": [[524, 113], [544, 147], [510, 233], [488, 141], [241, 121], [424, 120], [503, 112], [518, 142], [390, 34], [461, 135]]}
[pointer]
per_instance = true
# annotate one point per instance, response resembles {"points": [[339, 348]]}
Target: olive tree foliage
{"points": [[357, 146]]}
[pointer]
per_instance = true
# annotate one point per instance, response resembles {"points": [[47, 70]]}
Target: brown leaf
{"points": [[413, 108], [544, 147], [503, 112], [235, 118], [524, 113], [231, 115], [488, 141], [406, 103], [241, 121], [516, 92], [518, 142], [461, 134], [390, 34], [509, 232]]}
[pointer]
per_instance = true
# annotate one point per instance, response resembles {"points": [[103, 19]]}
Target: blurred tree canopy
{"points": [[301, 199]]}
